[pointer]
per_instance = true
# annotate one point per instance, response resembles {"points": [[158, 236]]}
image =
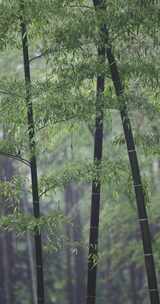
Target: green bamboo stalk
{"points": [[96, 186], [33, 164]]}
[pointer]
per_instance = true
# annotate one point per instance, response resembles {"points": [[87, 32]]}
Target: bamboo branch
{"points": [[16, 157], [42, 54]]}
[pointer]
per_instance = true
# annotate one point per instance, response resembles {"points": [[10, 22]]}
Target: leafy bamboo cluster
{"points": [[95, 57]]}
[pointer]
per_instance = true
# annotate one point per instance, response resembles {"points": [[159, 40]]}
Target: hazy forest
{"points": [[79, 151]]}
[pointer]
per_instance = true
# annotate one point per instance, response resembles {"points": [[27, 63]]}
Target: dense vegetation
{"points": [[79, 151]]}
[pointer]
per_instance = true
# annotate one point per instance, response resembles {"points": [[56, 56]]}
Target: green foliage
{"points": [[63, 41]]}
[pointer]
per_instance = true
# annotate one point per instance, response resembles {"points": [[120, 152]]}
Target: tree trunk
{"points": [[96, 186], [139, 191], [33, 162]]}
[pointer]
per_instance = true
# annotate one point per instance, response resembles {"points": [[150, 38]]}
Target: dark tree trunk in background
{"points": [[140, 284], [7, 294], [8, 241], [75, 284], [79, 256], [133, 285], [69, 257], [96, 186], [30, 259], [76, 260], [33, 162], [2, 270], [75, 268], [111, 292]]}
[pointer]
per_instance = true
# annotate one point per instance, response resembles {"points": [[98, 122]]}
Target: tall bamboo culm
{"points": [[33, 161], [96, 186], [134, 165], [137, 182]]}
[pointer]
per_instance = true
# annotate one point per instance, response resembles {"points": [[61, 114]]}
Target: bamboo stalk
{"points": [[96, 185], [138, 187], [33, 165], [132, 154]]}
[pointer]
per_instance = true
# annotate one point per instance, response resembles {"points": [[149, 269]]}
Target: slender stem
{"points": [[16, 157], [132, 154], [139, 191], [96, 186], [33, 164]]}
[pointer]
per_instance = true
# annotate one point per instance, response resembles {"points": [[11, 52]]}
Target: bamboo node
{"points": [[138, 185], [143, 219], [131, 151]]}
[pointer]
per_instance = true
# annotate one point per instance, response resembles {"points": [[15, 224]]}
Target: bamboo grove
{"points": [[76, 63]]}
